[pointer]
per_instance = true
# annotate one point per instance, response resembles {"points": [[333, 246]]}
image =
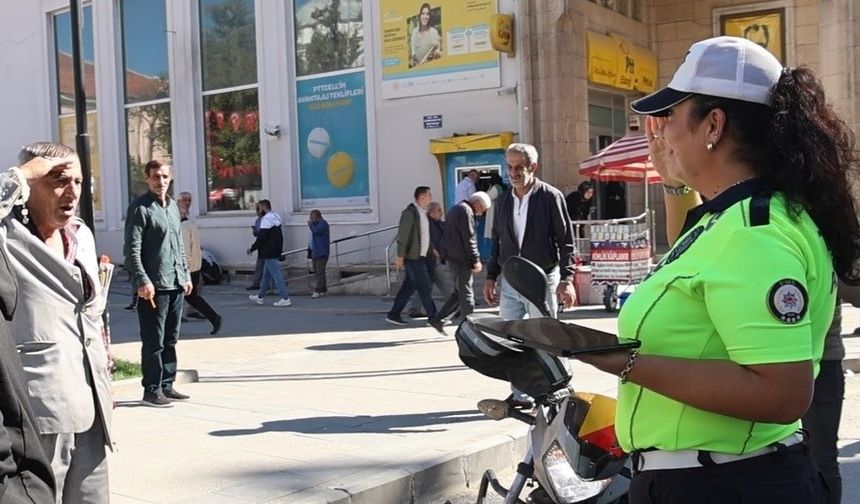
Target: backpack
{"points": [[210, 269]]}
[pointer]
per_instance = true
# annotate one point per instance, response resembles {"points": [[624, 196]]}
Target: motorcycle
{"points": [[573, 454]]}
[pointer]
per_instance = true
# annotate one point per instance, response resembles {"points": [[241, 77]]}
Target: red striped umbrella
{"points": [[625, 160]]}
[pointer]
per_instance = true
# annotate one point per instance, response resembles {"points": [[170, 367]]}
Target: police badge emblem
{"points": [[788, 300]]}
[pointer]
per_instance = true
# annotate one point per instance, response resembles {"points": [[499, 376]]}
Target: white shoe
{"points": [[317, 295], [282, 302], [257, 299]]}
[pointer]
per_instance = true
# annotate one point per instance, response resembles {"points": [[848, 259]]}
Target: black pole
{"points": [[82, 139]]}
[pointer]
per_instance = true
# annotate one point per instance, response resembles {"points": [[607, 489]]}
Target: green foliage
{"points": [[123, 369], [229, 44], [330, 48]]}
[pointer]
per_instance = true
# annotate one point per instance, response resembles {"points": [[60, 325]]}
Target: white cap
{"points": [[725, 67]]}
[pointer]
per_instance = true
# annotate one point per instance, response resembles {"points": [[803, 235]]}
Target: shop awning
{"points": [[466, 143]]}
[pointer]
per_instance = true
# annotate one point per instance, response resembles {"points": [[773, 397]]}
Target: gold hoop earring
{"points": [[710, 146]]}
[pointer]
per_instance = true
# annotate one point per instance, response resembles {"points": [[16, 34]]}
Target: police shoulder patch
{"points": [[788, 300]]}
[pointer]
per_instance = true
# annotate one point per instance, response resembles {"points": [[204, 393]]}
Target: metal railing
{"points": [[343, 248]]}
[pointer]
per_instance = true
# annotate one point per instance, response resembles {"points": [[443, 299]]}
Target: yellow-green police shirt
{"points": [[745, 282]]}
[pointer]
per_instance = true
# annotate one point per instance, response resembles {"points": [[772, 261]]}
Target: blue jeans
{"points": [[513, 306], [272, 274], [417, 279]]}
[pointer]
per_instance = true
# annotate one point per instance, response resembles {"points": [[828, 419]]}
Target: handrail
{"points": [[337, 254], [367, 233], [388, 264]]}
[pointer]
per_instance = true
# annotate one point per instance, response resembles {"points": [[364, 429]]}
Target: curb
{"points": [[132, 384], [426, 481]]}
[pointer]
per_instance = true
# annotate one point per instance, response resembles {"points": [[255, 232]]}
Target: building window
{"points": [[629, 8], [65, 90], [230, 104], [147, 87]]}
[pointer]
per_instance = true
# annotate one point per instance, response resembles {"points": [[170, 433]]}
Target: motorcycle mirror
{"points": [[494, 409], [529, 280]]}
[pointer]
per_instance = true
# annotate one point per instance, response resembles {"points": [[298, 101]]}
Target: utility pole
{"points": [[82, 139]]}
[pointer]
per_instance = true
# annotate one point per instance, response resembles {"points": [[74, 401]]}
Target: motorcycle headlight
{"points": [[566, 485]]}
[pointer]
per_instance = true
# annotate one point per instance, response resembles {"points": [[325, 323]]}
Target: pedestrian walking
{"points": [[732, 322], [460, 247], [320, 244], [531, 221], [258, 264], [58, 326], [269, 245], [194, 256], [440, 279], [413, 250], [156, 257]]}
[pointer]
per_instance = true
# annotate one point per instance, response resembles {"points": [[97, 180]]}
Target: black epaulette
{"points": [[760, 209]]}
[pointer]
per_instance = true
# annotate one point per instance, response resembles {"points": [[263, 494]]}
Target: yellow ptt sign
{"points": [[502, 33]]}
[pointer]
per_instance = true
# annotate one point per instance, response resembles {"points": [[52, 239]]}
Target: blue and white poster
{"points": [[332, 140]]}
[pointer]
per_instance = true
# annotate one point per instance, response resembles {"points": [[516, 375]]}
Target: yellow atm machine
{"points": [[458, 155]]}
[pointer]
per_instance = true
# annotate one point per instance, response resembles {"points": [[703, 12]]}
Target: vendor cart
{"points": [[617, 253]]}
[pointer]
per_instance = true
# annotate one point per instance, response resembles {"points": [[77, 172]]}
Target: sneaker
{"points": [[395, 319], [174, 395], [317, 295], [216, 325], [282, 302], [437, 324], [131, 307], [257, 299], [155, 400], [253, 287], [417, 314]]}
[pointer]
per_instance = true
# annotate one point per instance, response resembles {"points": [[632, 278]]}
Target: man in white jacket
{"points": [[194, 256]]}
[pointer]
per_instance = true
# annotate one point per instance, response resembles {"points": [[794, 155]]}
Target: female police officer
{"points": [[732, 320]]}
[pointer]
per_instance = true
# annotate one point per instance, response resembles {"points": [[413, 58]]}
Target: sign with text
{"points": [[442, 48], [433, 121], [332, 136]]}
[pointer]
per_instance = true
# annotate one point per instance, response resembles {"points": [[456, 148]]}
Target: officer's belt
{"points": [[656, 460]]}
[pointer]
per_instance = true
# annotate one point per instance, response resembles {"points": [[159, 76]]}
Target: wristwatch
{"points": [[676, 191]]}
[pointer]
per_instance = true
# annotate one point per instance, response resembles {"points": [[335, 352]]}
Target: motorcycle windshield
{"points": [[554, 336]]}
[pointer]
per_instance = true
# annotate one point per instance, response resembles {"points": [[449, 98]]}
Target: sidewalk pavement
{"points": [[324, 402]]}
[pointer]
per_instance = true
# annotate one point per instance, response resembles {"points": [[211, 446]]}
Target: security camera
{"points": [[273, 129]]}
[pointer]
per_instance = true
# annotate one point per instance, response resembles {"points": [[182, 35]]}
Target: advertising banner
{"points": [[332, 140], [438, 47]]}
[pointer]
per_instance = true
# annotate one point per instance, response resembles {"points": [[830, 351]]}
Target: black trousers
{"points": [[822, 424], [788, 476], [159, 331], [197, 301], [319, 274], [463, 295]]}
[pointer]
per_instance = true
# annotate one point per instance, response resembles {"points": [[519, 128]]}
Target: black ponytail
{"points": [[816, 164], [801, 147]]}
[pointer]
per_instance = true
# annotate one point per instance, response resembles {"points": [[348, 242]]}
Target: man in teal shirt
{"points": [[155, 256]]}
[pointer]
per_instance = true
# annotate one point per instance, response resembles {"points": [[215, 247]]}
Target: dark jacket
{"points": [[320, 238], [25, 472], [578, 208], [437, 231], [409, 233], [459, 242], [548, 239], [270, 239], [153, 244]]}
